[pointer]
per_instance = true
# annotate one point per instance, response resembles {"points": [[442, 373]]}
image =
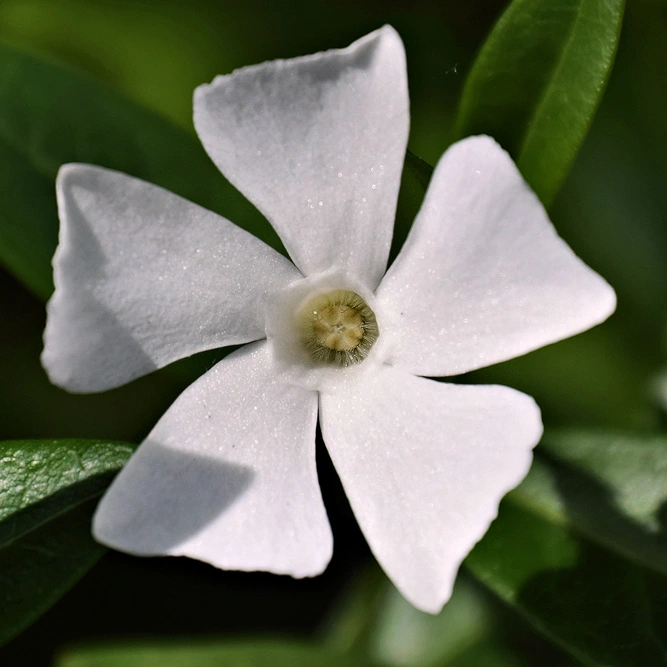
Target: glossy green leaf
{"points": [[537, 83], [50, 115], [611, 486], [262, 653], [613, 205], [587, 525], [48, 490], [596, 605]]}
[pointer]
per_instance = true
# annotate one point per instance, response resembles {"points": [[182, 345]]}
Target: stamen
{"points": [[338, 328]]}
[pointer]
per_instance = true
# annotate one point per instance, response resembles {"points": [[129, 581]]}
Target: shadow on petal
{"points": [[165, 497], [88, 348]]}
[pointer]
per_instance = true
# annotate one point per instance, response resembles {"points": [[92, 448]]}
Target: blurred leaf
{"points": [[414, 181], [261, 653], [562, 547], [375, 621], [402, 635], [47, 494], [28, 221], [486, 654], [598, 606], [418, 169], [130, 45], [348, 626], [49, 116], [537, 83], [611, 486], [561, 376]]}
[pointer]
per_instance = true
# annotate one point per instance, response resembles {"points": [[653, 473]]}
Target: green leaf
{"points": [[611, 486], [538, 80], [486, 654], [605, 208], [602, 358], [419, 170], [599, 607], [580, 547], [374, 621], [262, 653], [348, 626], [48, 490], [402, 635], [414, 182], [50, 115]]}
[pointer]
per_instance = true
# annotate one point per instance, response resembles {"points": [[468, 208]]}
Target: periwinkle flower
{"points": [[228, 474]]}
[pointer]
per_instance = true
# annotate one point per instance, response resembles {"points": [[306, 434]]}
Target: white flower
{"points": [[228, 475]]}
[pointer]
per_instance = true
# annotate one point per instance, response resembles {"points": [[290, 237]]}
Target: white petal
{"points": [[483, 276], [424, 465], [317, 144], [144, 277], [227, 476]]}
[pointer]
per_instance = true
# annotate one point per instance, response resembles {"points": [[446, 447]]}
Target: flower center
{"points": [[338, 328]]}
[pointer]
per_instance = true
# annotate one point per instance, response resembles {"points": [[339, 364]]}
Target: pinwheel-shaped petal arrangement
{"points": [[228, 474]]}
